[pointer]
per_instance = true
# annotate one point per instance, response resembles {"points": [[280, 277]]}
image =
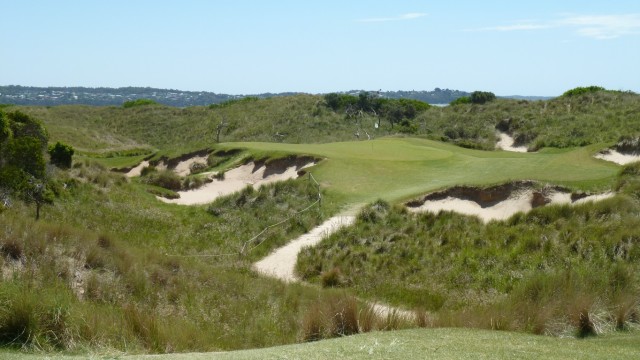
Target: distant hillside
{"points": [[51, 96], [436, 96]]}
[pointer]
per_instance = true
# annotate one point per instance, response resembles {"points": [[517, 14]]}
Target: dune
{"points": [[235, 180], [500, 204]]}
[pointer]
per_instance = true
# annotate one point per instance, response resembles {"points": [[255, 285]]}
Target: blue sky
{"points": [[243, 46]]}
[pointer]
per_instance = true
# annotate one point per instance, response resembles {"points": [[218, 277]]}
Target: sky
{"points": [[249, 46]]}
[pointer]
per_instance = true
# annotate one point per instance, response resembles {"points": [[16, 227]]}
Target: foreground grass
{"points": [[444, 343], [108, 266], [561, 270]]}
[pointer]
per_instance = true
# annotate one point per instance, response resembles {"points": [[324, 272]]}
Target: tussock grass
{"points": [[566, 121], [117, 263], [557, 270]]}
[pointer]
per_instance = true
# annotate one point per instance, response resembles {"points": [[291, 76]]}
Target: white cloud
{"points": [[604, 26], [408, 16], [599, 27]]}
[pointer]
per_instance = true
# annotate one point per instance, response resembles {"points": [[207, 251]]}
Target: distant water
{"points": [[439, 105]]}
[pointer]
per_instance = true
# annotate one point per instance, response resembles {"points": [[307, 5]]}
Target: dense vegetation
{"points": [[23, 172], [557, 270], [109, 267], [566, 121]]}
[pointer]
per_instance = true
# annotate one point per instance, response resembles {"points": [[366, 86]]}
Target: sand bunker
{"points": [[506, 143], [498, 203], [618, 157], [184, 167], [235, 180], [136, 171]]}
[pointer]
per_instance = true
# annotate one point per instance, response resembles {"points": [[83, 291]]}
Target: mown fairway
{"points": [[397, 168], [424, 343]]}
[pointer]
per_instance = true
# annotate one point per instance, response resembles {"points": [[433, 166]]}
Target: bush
{"points": [[482, 97], [165, 179], [333, 316], [582, 90], [332, 278], [461, 100], [61, 155], [138, 102]]}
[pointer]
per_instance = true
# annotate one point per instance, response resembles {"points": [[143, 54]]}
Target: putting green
{"points": [[398, 168]]}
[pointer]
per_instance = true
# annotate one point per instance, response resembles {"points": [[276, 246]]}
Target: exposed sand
{"points": [[234, 180], [136, 171], [518, 202], [618, 157], [184, 167], [280, 263], [506, 143]]}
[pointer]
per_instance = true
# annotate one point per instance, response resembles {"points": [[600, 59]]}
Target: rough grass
{"points": [[533, 272], [115, 269]]}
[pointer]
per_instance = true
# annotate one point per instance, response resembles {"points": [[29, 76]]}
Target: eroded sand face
{"points": [[136, 171], [506, 143], [520, 201], [234, 180], [618, 157], [184, 167]]}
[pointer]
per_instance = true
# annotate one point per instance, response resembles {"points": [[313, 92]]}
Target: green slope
{"points": [[443, 343], [397, 168]]}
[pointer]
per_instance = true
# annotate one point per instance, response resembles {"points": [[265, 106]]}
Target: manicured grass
{"points": [[444, 343], [398, 168]]}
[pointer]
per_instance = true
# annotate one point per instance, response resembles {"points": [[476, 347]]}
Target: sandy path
{"points": [[280, 263], [506, 143], [518, 202], [618, 157]]}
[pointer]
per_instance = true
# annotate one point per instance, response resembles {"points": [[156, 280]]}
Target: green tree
{"points": [[482, 97], [461, 100], [23, 141], [61, 155], [36, 191], [26, 154]]}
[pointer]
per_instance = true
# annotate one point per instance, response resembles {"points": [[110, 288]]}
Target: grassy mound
{"points": [[534, 272]]}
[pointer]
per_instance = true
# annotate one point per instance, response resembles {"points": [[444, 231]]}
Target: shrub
{"points": [[331, 278], [332, 316], [481, 97], [12, 249], [461, 100], [165, 178], [61, 155], [138, 102], [582, 90]]}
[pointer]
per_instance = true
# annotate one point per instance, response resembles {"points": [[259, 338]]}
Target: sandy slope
{"points": [[234, 180], [506, 143], [184, 167], [136, 171], [618, 157], [517, 202]]}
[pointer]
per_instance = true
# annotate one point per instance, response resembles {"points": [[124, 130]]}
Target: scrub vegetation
{"points": [[109, 268]]}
